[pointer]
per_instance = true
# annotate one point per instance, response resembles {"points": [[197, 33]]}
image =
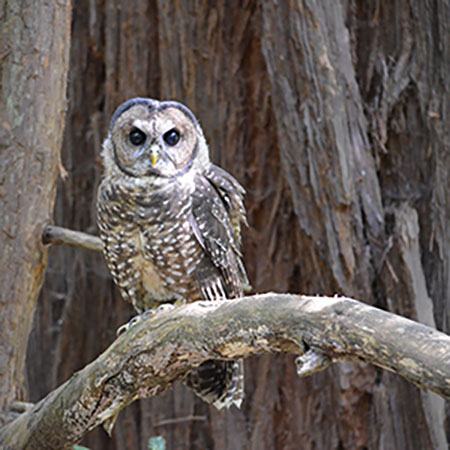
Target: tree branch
{"points": [[145, 360], [63, 236]]}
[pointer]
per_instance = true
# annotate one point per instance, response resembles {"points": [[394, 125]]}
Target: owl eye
{"points": [[137, 137], [172, 137]]}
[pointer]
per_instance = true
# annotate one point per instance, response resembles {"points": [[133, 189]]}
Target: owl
{"points": [[170, 223]]}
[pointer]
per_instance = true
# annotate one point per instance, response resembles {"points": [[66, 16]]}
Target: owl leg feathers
{"points": [[220, 383]]}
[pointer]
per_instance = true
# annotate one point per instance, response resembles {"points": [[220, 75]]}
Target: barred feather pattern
{"points": [[177, 245], [170, 222]]}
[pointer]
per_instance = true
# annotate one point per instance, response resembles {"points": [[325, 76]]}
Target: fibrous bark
{"points": [[148, 357], [333, 115], [34, 59]]}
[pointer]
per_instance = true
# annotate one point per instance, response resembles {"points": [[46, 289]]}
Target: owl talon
{"points": [[135, 320], [165, 307], [124, 328], [148, 313]]}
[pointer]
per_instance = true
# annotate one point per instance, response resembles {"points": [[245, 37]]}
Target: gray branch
{"points": [[145, 360], [63, 236]]}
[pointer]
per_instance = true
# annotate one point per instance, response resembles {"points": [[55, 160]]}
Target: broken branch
{"points": [[63, 236]]}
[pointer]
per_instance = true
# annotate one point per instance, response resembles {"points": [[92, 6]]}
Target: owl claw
{"points": [[121, 329], [148, 313], [165, 307], [135, 320]]}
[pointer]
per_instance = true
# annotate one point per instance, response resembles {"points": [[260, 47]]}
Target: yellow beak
{"points": [[154, 155]]}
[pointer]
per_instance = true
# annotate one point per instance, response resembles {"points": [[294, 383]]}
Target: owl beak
{"points": [[154, 154]]}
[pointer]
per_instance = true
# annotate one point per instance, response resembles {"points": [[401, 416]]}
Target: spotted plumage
{"points": [[170, 222]]}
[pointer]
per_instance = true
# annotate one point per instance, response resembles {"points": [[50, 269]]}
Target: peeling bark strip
{"points": [[147, 359]]}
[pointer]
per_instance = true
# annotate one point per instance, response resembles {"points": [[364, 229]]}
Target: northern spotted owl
{"points": [[170, 223]]}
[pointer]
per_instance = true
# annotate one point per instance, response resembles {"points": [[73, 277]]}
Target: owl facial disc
{"points": [[152, 138]]}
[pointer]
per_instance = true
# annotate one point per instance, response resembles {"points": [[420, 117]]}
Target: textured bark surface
{"points": [[333, 115], [145, 360], [34, 60]]}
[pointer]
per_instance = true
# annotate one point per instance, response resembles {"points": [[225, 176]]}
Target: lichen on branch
{"points": [[146, 359]]}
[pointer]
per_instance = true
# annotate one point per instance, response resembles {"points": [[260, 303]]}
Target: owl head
{"points": [[149, 138]]}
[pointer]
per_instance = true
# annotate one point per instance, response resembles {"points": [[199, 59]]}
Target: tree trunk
{"points": [[34, 63], [332, 114]]}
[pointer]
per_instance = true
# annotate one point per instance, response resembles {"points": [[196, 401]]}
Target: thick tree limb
{"points": [[145, 360]]}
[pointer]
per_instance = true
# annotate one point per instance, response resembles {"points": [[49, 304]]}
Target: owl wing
{"points": [[217, 211], [232, 194]]}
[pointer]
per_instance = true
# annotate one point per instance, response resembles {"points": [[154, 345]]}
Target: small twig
{"points": [[63, 236], [180, 420]]}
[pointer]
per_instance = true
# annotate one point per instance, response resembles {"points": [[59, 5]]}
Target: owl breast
{"points": [[153, 257]]}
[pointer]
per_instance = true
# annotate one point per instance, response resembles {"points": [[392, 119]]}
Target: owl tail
{"points": [[220, 383]]}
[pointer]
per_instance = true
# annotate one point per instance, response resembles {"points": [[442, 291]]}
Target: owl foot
{"points": [[165, 307], [135, 320]]}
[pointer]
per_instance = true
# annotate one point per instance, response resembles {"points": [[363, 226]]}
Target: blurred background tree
{"points": [[333, 116]]}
